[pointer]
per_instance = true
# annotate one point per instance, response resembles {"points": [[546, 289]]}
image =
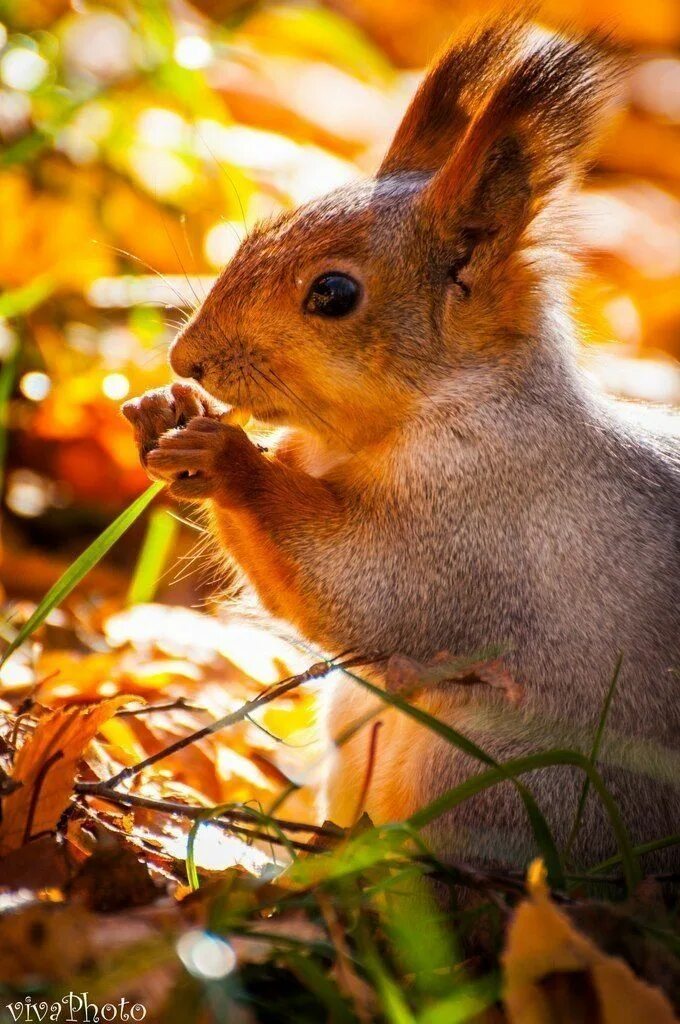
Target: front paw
{"points": [[207, 459], [160, 410]]}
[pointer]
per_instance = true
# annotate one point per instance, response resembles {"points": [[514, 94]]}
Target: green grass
{"points": [[79, 569], [7, 376], [597, 743], [160, 538]]}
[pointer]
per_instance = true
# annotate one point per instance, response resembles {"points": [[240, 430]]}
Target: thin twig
{"points": [[478, 879], [194, 811], [350, 984], [316, 671], [230, 821], [373, 746], [181, 704], [240, 821]]}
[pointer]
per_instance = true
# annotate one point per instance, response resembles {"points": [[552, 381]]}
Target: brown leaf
{"points": [[553, 972], [43, 864], [49, 940], [46, 767], [113, 878], [405, 674]]}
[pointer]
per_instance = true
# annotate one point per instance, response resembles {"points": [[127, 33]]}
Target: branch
{"points": [[240, 820], [194, 811], [234, 820], [316, 671], [181, 704]]}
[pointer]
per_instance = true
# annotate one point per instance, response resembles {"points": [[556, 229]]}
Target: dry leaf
{"points": [[44, 864], [405, 674], [46, 766], [553, 972], [113, 878]]}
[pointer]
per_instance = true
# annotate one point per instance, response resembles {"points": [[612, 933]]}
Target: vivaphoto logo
{"points": [[73, 1008]]}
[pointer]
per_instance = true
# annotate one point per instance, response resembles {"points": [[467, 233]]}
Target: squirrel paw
{"points": [[158, 411], [206, 459]]}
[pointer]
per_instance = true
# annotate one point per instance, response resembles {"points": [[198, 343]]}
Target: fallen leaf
{"points": [[405, 674], [46, 767], [113, 878], [42, 864], [51, 940], [553, 972]]}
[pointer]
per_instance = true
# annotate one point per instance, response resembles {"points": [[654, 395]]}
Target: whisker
{"points": [[233, 230], [187, 241], [191, 558], [166, 306], [227, 176], [286, 390], [179, 259], [143, 263]]}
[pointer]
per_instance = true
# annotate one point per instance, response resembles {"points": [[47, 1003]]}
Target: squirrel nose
{"points": [[183, 360]]}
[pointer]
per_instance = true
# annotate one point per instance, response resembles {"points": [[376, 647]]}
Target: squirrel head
{"points": [[342, 316]]}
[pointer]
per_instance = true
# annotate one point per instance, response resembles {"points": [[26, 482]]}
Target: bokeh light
{"points": [[21, 68], [115, 386], [28, 493], [206, 956], [193, 52], [221, 242], [35, 385]]}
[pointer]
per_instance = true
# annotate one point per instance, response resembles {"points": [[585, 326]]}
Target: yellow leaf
{"points": [[553, 972], [46, 767]]}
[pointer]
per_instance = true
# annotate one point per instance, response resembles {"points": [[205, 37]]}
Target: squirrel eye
{"points": [[333, 294]]}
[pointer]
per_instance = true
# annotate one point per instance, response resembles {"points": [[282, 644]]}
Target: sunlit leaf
{"points": [[46, 767]]}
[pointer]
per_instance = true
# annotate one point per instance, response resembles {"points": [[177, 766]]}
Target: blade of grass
{"points": [[638, 851], [597, 742], [466, 1003], [211, 813], [518, 766], [7, 375], [392, 1002], [319, 983], [423, 944], [159, 540], [539, 825], [21, 301], [82, 565]]}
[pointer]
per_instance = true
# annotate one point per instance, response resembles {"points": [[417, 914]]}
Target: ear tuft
{"points": [[534, 132], [445, 100]]}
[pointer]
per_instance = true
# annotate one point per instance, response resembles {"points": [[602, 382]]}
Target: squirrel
{"points": [[448, 478]]}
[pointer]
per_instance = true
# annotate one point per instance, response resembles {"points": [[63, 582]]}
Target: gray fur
{"points": [[544, 524]]}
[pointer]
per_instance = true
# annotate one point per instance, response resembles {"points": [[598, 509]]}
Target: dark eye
{"points": [[333, 295]]}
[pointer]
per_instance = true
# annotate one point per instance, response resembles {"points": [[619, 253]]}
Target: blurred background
{"points": [[139, 141]]}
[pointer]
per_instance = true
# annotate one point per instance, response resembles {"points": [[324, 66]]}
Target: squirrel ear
{"points": [[532, 136], [440, 110], [489, 211]]}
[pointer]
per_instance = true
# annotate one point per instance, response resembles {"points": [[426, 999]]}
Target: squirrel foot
{"points": [[162, 409], [207, 459]]}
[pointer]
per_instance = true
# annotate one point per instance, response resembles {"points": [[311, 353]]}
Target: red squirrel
{"points": [[447, 478]]}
